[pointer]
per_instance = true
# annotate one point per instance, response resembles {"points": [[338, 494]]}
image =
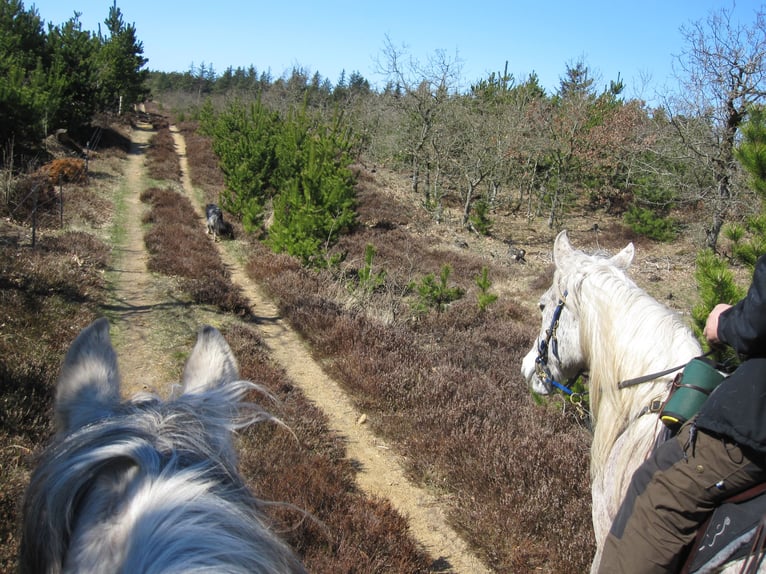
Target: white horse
{"points": [[595, 319], [146, 485]]}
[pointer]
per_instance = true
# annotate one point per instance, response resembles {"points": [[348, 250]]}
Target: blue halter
{"points": [[551, 341]]}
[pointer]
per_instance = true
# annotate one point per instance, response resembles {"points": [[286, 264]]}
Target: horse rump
{"points": [[147, 485], [215, 222]]}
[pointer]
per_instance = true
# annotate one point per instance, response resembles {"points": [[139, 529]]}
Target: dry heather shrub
{"points": [[204, 168], [65, 170], [82, 249], [447, 391], [161, 158], [47, 295], [113, 142], [87, 205], [36, 192]]}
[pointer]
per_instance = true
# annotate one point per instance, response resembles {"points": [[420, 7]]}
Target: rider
{"points": [[717, 454]]}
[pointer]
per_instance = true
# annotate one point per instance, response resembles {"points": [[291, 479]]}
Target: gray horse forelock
{"points": [[154, 488]]}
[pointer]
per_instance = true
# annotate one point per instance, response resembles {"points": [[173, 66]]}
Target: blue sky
{"points": [[639, 39]]}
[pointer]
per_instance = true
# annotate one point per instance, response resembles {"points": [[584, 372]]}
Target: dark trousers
{"points": [[670, 495]]}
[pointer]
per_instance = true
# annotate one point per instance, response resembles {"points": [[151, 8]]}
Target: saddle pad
{"points": [[728, 534]]}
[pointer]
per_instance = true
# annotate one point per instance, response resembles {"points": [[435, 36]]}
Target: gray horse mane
{"points": [[152, 487]]}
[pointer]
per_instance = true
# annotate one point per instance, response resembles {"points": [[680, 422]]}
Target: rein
{"points": [[646, 378], [550, 342]]}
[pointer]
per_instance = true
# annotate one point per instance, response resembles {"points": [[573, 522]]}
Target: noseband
{"points": [[550, 342]]}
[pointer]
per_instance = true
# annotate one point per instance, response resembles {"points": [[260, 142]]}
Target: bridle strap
{"points": [[551, 341]]}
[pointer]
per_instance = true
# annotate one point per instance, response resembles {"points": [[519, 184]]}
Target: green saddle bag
{"points": [[690, 390]]}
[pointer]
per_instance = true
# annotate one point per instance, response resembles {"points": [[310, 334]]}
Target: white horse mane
{"points": [[147, 485], [625, 333]]}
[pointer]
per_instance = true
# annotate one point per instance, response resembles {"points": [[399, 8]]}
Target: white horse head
{"points": [[558, 356], [595, 319], [147, 485]]}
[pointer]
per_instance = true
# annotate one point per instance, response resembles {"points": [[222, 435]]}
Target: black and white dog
{"points": [[215, 223]]}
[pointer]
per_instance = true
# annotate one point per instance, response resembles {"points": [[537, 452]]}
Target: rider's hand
{"points": [[711, 325]]}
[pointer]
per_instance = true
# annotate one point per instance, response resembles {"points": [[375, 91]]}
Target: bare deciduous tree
{"points": [[722, 73], [422, 92]]}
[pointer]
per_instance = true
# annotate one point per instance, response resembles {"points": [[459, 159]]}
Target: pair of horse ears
{"points": [[562, 249], [89, 385]]}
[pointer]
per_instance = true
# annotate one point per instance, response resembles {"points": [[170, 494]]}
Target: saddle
{"points": [[736, 529]]}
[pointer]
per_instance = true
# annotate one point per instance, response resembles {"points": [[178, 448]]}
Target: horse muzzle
{"points": [[530, 372]]}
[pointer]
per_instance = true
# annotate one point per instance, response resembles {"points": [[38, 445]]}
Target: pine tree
{"points": [[243, 140], [23, 58], [751, 152], [316, 198], [749, 239], [121, 60], [72, 77]]}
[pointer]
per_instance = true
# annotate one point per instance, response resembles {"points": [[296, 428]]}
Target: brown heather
{"points": [[161, 158], [47, 295], [331, 524], [447, 391]]}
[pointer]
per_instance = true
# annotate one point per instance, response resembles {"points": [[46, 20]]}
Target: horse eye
{"points": [[542, 306]]}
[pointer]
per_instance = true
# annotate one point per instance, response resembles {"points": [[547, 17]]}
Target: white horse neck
{"points": [[625, 334]]}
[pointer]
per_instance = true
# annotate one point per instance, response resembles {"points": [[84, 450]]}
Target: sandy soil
{"points": [[135, 306]]}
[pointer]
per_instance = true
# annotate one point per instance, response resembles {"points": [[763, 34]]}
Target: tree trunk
{"points": [[468, 198]]}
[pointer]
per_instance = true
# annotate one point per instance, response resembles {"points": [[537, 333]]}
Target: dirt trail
{"points": [[133, 300], [379, 472]]}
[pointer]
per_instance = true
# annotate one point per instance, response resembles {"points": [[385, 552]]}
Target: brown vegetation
{"points": [[47, 295], [446, 390], [65, 170], [161, 160], [331, 524], [177, 246], [204, 169]]}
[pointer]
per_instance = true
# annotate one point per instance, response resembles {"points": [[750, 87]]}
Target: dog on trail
{"points": [[215, 223]]}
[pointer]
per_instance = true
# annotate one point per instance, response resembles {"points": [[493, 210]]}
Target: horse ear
{"points": [[211, 363], [561, 247], [625, 257], [89, 386]]}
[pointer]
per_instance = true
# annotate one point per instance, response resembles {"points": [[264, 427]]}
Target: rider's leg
{"points": [[669, 497]]}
